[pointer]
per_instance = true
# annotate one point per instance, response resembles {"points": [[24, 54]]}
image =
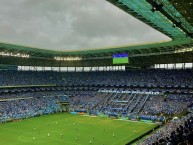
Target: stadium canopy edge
{"points": [[163, 15]]}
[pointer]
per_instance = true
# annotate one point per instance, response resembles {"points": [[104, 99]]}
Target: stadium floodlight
{"points": [[153, 9], [174, 25], [67, 58], [14, 54], [184, 50]]}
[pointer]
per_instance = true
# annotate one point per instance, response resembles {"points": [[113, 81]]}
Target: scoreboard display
{"points": [[122, 58]]}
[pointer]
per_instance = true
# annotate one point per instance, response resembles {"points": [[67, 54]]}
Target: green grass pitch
{"points": [[66, 129]]}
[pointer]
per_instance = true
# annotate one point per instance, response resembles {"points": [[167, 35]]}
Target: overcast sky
{"points": [[71, 24]]}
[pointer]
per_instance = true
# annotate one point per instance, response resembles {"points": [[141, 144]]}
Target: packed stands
{"points": [[146, 77], [29, 107], [175, 132], [22, 105], [174, 104], [83, 91]]}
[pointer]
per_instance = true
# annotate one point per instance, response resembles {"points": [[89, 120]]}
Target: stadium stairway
{"points": [[140, 103], [135, 103], [102, 102], [132, 98]]}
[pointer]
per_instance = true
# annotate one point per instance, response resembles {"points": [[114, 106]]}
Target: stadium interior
{"points": [[154, 85]]}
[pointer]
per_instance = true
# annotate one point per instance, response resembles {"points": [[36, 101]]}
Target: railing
{"points": [[128, 107], [136, 103], [147, 97]]}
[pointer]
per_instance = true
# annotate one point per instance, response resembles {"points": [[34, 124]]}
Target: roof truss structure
{"points": [[173, 18]]}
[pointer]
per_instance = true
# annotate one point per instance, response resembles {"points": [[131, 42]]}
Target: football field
{"points": [[66, 129]]}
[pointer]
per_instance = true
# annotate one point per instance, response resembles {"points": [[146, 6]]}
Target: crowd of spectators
{"points": [[144, 104], [22, 108], [37, 102], [30, 94], [173, 104], [146, 77], [84, 100], [106, 103], [27, 104], [173, 133]]}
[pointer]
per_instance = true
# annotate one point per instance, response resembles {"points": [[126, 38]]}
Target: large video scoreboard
{"points": [[122, 58]]}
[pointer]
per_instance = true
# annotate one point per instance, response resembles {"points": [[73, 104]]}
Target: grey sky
{"points": [[71, 24]]}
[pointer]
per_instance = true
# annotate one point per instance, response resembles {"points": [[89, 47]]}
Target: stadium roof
{"points": [[71, 25], [171, 17]]}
